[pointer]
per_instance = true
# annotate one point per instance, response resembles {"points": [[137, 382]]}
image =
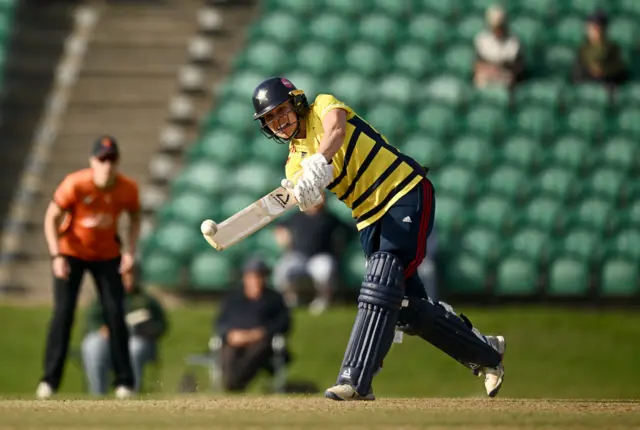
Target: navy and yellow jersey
{"points": [[370, 175]]}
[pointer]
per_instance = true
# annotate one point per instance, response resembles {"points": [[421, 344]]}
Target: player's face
{"points": [[594, 32], [104, 169], [282, 121], [253, 284]]}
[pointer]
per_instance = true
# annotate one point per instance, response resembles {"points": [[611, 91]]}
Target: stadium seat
{"points": [[530, 31], [536, 122], [428, 31], [620, 278], [459, 59], [507, 180], [587, 122], [396, 9], [396, 89], [225, 147], [493, 212], [486, 121], [351, 88], [426, 150], [558, 60], [543, 10], [570, 152], [620, 153], [268, 152], [330, 28], [630, 216], [593, 214], [568, 277], [516, 277], [628, 95], [349, 9], [256, 179], [300, 8], [160, 269], [178, 239], [389, 120], [414, 61], [521, 151], [595, 96], [531, 243], [308, 82], [471, 150], [625, 32], [266, 58], [191, 208], [363, 58], [232, 203], [448, 213], [582, 243], [482, 242], [606, 182], [466, 274], [204, 177], [239, 86], [436, 121], [442, 9], [584, 8], [630, 7], [494, 96], [280, 27], [354, 267], [232, 116], [625, 243], [542, 212], [469, 27], [544, 93], [557, 182], [318, 58], [629, 122], [210, 270], [379, 29], [339, 209], [456, 181], [570, 31], [447, 90]]}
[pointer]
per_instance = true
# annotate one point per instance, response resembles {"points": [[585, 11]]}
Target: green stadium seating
{"points": [[161, 269], [542, 212], [379, 29], [530, 243], [428, 31], [570, 152], [210, 271], [472, 150], [568, 277], [620, 278], [363, 59], [466, 274], [581, 243], [516, 277], [506, 180], [620, 153], [521, 151], [492, 211], [535, 186]]}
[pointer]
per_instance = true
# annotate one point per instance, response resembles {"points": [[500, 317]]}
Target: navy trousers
{"points": [[403, 232]]}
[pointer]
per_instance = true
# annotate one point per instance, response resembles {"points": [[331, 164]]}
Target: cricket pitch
{"points": [[195, 413]]}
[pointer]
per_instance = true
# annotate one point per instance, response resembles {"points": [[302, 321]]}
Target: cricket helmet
{"points": [[270, 94]]}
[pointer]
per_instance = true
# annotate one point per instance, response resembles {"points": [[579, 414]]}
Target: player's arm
{"points": [[63, 199], [334, 125]]}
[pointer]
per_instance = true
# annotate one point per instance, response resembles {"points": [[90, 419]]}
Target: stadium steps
{"points": [[110, 98], [38, 34]]}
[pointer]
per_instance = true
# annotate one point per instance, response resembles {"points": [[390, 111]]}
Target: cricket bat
{"points": [[248, 220]]}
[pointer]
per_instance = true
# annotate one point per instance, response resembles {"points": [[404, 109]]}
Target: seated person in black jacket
{"points": [[249, 318]]}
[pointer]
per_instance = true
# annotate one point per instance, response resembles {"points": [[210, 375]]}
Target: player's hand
{"points": [[60, 267], [318, 170], [307, 194], [126, 262]]}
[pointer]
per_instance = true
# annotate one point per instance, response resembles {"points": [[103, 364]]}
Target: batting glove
{"points": [[317, 170]]}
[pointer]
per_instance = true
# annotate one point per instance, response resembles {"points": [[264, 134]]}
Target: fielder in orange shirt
{"points": [[81, 229]]}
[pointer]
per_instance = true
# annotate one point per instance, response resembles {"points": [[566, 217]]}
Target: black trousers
{"points": [[241, 365], [108, 282]]}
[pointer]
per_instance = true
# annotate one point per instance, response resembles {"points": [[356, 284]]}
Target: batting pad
{"points": [[373, 330], [437, 324]]}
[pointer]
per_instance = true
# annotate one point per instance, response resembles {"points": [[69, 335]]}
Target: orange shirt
{"points": [[91, 228]]}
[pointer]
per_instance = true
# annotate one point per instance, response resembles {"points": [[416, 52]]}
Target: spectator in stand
{"points": [[499, 57], [147, 324], [249, 318], [314, 241], [599, 59]]}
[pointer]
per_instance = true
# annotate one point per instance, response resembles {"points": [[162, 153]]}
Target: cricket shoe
{"points": [[494, 376], [123, 393], [347, 392], [44, 391]]}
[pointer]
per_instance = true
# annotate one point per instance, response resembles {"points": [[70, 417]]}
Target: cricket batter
{"points": [[393, 204]]}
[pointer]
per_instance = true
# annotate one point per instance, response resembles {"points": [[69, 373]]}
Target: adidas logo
{"points": [[407, 219]]}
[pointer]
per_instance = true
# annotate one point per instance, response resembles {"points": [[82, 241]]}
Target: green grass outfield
{"points": [[551, 353]]}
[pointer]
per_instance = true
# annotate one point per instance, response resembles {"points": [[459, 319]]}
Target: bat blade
{"points": [[252, 218]]}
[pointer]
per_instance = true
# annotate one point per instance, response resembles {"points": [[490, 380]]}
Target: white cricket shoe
{"points": [[123, 393], [495, 375], [44, 391], [346, 392]]}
